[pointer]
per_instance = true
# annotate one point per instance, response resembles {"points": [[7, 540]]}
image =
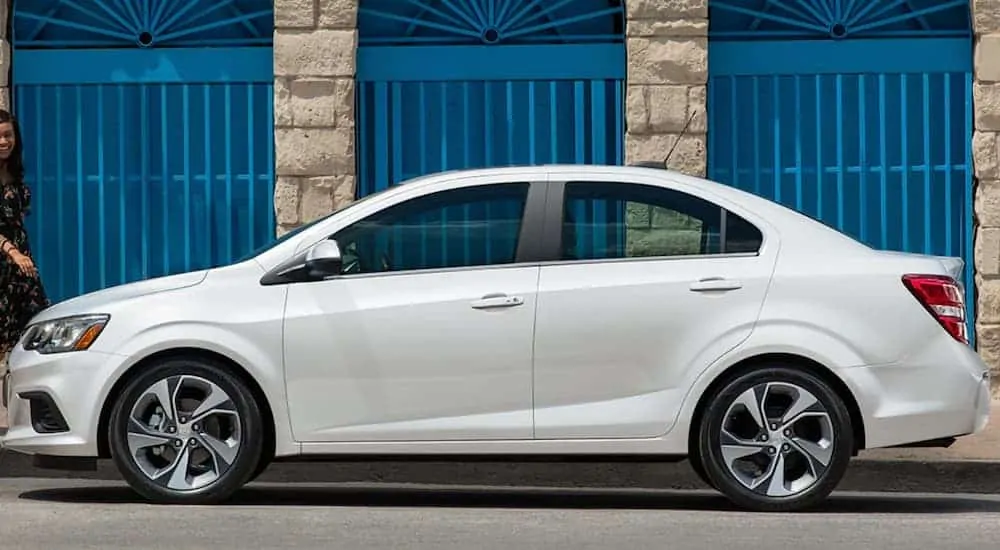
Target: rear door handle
{"points": [[496, 301], [715, 284]]}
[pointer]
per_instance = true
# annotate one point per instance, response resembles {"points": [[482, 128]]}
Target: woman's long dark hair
{"points": [[14, 164]]}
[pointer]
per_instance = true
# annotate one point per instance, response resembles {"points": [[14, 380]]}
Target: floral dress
{"points": [[21, 296]]}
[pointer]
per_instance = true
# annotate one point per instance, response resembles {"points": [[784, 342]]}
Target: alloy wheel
{"points": [[777, 439], [184, 432]]}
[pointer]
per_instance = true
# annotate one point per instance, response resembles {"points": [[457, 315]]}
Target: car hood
{"points": [[96, 302]]}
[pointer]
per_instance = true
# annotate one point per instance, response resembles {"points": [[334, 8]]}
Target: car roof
{"points": [[616, 174]]}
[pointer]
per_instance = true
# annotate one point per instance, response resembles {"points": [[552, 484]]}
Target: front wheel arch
{"points": [[794, 361], [234, 368]]}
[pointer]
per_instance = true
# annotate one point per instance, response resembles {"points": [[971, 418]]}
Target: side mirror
{"points": [[324, 260]]}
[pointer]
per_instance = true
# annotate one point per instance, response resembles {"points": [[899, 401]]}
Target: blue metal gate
{"points": [[858, 113], [148, 135], [479, 83]]}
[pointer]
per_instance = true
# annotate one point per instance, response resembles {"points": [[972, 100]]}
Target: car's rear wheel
{"points": [[776, 439], [186, 431], [695, 460]]}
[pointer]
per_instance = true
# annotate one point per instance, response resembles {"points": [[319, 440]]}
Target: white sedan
{"points": [[554, 310]]}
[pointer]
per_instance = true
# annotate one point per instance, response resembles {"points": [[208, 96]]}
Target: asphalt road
{"points": [[55, 514]]}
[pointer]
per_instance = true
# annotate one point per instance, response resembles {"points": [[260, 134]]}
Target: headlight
{"points": [[66, 334]]}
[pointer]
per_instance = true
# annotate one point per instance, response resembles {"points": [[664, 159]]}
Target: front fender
{"points": [[258, 354]]}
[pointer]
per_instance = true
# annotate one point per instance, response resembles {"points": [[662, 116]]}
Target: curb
{"points": [[864, 475]]}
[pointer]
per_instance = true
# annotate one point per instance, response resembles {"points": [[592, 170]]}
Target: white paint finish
{"points": [[408, 357], [74, 388], [930, 390], [626, 334], [224, 310], [852, 308], [403, 364]]}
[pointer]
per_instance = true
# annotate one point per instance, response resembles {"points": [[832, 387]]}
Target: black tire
{"points": [[710, 437], [262, 465], [695, 460], [243, 465]]}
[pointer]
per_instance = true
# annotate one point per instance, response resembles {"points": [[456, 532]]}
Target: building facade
{"points": [[896, 104]]}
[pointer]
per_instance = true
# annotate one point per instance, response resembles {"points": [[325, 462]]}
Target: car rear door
{"points": [[648, 287]]}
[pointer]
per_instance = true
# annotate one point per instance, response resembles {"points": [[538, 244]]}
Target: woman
{"points": [[21, 291]]}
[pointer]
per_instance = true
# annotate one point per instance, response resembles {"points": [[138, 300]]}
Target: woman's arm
{"points": [[22, 261], [7, 246]]}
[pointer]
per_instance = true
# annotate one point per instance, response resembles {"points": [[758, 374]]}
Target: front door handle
{"points": [[715, 284], [495, 301]]}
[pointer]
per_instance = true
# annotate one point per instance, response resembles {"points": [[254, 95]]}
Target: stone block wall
{"points": [[986, 158], [314, 66], [667, 44], [315, 61]]}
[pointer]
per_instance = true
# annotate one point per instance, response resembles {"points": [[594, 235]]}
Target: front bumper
{"points": [[54, 401]]}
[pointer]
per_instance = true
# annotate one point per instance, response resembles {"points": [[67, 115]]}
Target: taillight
{"points": [[942, 297]]}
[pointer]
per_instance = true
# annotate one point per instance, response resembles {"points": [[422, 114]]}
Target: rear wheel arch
{"points": [[234, 368], [787, 360]]}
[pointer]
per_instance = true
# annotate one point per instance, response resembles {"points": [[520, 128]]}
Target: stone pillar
{"points": [[314, 66], [667, 45], [986, 101]]}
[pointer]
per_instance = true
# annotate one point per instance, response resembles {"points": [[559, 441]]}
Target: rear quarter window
{"points": [[742, 237]]}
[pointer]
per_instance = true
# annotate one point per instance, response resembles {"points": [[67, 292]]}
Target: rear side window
{"points": [[621, 220]]}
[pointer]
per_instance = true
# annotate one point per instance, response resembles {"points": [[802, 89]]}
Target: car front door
{"points": [[427, 333], [650, 285]]}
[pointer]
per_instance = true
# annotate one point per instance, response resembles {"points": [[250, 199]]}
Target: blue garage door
{"points": [[147, 134], [479, 83], [858, 113]]}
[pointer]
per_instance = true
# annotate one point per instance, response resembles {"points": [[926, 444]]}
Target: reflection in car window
{"points": [[619, 220], [466, 227]]}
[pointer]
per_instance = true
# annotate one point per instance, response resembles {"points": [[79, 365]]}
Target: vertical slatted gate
{"points": [[148, 136], [482, 83], [864, 122]]}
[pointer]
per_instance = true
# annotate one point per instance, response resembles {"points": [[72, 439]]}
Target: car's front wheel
{"points": [[776, 439], [186, 431]]}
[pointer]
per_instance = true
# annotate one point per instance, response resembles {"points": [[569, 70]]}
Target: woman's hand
{"points": [[24, 263]]}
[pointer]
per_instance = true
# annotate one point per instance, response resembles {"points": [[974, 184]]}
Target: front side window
{"points": [[619, 220], [474, 226]]}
